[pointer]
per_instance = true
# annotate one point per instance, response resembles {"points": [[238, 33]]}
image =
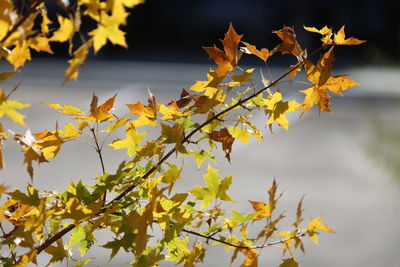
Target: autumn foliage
{"points": [[139, 199]]}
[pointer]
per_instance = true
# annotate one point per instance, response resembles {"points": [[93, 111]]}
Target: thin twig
{"points": [[9, 246], [210, 237], [95, 132]]}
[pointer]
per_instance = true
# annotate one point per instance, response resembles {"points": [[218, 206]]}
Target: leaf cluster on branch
{"points": [[139, 199]]}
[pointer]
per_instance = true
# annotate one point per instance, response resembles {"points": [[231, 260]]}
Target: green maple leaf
{"points": [[215, 188]]}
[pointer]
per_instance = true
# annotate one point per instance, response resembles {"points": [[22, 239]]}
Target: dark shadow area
{"points": [[175, 31]]}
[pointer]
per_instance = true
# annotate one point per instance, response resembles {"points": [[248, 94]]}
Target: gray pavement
{"points": [[332, 159]]}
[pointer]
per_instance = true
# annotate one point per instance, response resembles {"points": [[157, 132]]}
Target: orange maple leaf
{"points": [[227, 59], [101, 113], [289, 43], [223, 136], [252, 49], [320, 76]]}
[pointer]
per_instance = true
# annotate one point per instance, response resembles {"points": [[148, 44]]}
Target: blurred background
{"points": [[346, 163], [176, 30]]}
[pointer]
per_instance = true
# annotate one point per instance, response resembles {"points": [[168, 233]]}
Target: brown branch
{"points": [[210, 237], [22, 20], [98, 149], [64, 231], [9, 246]]}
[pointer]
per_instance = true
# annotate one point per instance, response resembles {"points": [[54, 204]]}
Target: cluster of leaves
{"points": [[215, 112], [27, 26]]}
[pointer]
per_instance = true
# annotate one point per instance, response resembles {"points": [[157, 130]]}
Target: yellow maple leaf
{"points": [[19, 54], [277, 109], [320, 76], [314, 225], [49, 143], [325, 32], [9, 107], [118, 8], [65, 31], [251, 258], [133, 138], [45, 22], [40, 43], [31, 151], [80, 56], [68, 109], [242, 134], [79, 212], [339, 39], [108, 29], [172, 112], [93, 8]]}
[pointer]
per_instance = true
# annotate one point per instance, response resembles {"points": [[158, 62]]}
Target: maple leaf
{"points": [[80, 56], [223, 136], [101, 113], [264, 210], [227, 59], [325, 32], [65, 31], [242, 78], [252, 49], [277, 109], [19, 54], [174, 135], [31, 151], [203, 104], [133, 138], [322, 81], [185, 99], [9, 107], [148, 114], [251, 258], [50, 142], [215, 188], [242, 134], [78, 212], [68, 109], [290, 262], [289, 43], [339, 39], [118, 8], [171, 112], [200, 156], [314, 225], [4, 76], [40, 43], [108, 29]]}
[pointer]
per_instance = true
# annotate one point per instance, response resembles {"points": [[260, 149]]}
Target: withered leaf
{"points": [[223, 136]]}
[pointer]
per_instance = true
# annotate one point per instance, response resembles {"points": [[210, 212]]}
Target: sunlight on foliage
{"points": [[138, 204]]}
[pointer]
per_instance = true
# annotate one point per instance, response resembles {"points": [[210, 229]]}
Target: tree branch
{"points": [[210, 237], [64, 231]]}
